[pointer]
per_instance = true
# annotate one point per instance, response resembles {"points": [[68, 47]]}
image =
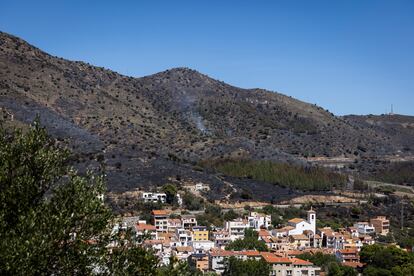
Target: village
{"points": [[207, 248]]}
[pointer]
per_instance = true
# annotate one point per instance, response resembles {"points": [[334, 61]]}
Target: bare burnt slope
{"points": [[156, 127]]}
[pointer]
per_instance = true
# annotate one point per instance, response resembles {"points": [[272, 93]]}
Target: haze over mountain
{"points": [[151, 129]]}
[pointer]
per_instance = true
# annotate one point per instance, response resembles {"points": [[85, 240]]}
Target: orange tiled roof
{"points": [[348, 251], [153, 242], [266, 240], [165, 236], [223, 253], [249, 253], [159, 212], [273, 259], [184, 249], [294, 252], [144, 226], [299, 237], [297, 261], [263, 232], [296, 220], [284, 229], [174, 221], [353, 264]]}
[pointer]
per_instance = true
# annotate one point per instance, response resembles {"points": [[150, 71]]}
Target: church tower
{"points": [[312, 219]]}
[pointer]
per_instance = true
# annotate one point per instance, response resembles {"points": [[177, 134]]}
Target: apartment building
{"points": [[236, 228], [160, 220], [200, 233], [381, 225]]}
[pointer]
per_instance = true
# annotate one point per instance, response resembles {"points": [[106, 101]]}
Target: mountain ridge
{"points": [[157, 127]]}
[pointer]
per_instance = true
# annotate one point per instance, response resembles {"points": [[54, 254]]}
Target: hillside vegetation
{"points": [[285, 175], [398, 173]]}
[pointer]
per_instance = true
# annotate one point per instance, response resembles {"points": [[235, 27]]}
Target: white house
{"points": [[364, 228], [188, 221], [258, 221], [236, 228], [154, 197], [184, 238], [202, 246]]}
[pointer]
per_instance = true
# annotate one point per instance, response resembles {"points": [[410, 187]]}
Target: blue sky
{"points": [[351, 57]]}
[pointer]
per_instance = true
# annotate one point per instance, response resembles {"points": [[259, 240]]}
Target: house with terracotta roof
{"points": [[347, 255], [183, 237], [283, 266], [218, 258], [143, 229], [282, 232], [300, 241], [183, 252], [328, 236], [173, 224], [160, 220], [280, 244]]}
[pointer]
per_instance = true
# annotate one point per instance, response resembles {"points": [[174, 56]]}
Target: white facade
{"points": [[202, 246], [236, 228], [188, 221], [154, 197], [184, 238], [293, 270], [364, 228], [258, 221], [303, 225]]}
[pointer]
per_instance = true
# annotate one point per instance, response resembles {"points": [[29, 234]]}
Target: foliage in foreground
{"points": [[53, 221], [239, 267], [286, 175]]}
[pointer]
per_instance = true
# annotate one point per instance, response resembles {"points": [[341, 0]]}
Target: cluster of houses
{"points": [[184, 239]]}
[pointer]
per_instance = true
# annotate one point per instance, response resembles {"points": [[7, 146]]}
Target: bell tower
{"points": [[312, 219]]}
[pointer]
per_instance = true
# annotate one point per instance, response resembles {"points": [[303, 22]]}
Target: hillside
{"points": [[150, 129]]}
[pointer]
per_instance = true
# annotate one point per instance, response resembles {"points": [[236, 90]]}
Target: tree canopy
{"points": [[237, 267], [387, 260], [249, 242], [53, 220]]}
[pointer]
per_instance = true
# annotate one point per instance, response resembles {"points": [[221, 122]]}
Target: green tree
{"points": [[230, 215], [178, 268], [170, 190], [192, 202], [53, 220], [249, 242], [328, 263], [385, 258], [236, 267]]}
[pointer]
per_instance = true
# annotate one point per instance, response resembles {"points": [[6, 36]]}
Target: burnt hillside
{"points": [[155, 127]]}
